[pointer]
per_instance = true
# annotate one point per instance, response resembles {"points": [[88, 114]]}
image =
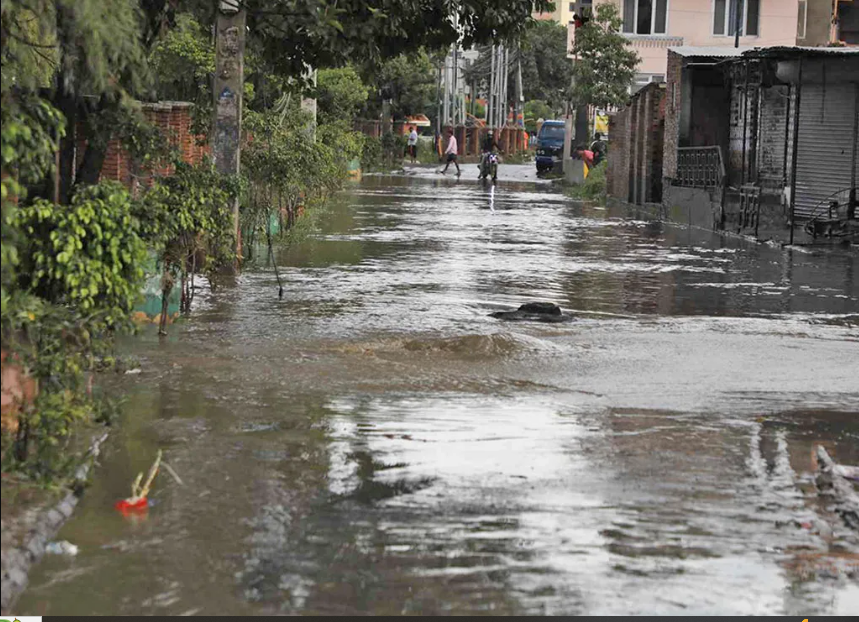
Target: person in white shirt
{"points": [[413, 145], [451, 151]]}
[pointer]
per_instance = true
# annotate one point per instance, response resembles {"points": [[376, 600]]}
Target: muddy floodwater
{"points": [[374, 442]]}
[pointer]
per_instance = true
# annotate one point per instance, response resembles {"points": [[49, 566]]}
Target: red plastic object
{"points": [[126, 506]]}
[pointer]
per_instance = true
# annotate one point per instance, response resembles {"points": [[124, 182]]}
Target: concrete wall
{"points": [[696, 207], [818, 24]]}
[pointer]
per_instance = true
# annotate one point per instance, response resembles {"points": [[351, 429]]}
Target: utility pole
{"points": [[456, 108], [308, 104], [505, 84], [581, 110], [490, 119], [500, 79], [229, 86], [520, 98], [386, 93], [438, 119], [447, 85], [738, 22], [386, 115]]}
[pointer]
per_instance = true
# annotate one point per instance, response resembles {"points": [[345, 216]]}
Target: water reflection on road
{"points": [[374, 443]]}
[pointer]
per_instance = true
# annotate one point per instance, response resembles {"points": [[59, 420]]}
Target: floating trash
{"points": [[62, 547]]}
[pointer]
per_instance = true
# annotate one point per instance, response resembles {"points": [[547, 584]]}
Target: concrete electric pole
{"points": [[308, 104], [229, 86]]}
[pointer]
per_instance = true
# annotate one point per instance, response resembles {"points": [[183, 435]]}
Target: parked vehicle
{"points": [[550, 145]]}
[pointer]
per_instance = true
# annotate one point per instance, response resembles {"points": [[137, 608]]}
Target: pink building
{"points": [[653, 26]]}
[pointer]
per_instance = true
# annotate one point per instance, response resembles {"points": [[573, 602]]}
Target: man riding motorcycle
{"points": [[489, 157]]}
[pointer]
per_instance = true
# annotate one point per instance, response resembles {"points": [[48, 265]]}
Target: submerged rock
{"points": [[534, 312]]}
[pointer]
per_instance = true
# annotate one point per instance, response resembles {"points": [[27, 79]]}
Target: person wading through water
{"points": [[413, 145], [450, 152]]}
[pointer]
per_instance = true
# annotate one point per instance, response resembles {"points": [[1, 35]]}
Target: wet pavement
{"points": [[375, 443]]}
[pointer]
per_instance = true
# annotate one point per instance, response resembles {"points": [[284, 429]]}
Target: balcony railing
{"points": [[700, 167], [653, 41]]}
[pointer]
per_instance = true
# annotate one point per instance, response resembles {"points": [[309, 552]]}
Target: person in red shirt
{"points": [[585, 154]]}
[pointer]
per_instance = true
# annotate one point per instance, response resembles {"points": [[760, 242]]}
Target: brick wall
{"points": [[671, 139], [174, 121], [617, 171], [634, 172]]}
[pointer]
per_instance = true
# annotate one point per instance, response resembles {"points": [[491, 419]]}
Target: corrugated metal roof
{"points": [[796, 50], [720, 51]]}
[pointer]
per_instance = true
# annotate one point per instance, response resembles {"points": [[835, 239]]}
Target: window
{"points": [[725, 17], [643, 79], [801, 18], [645, 17], [552, 132]]}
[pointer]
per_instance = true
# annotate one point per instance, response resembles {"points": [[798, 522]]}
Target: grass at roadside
{"points": [[593, 188]]}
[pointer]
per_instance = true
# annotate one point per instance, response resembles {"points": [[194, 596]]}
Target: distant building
{"points": [[759, 141], [652, 26]]}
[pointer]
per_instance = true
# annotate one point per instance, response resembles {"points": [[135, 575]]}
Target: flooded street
{"points": [[375, 443]]}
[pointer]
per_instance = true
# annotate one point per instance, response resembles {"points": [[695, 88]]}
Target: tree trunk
{"points": [[92, 162], [166, 288], [66, 104]]}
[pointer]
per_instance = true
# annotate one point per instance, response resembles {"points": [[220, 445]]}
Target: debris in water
{"points": [[832, 483], [132, 372], [173, 474], [847, 472], [534, 311], [62, 547], [137, 501]]}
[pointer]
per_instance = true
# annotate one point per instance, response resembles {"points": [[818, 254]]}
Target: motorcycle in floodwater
{"points": [[489, 166]]}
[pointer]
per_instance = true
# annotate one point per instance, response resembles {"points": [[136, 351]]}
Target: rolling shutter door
{"points": [[826, 152]]}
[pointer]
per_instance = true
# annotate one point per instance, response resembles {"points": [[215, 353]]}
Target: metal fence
{"points": [[700, 167]]}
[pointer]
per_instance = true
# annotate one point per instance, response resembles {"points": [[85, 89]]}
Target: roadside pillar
{"points": [[308, 104], [229, 86]]}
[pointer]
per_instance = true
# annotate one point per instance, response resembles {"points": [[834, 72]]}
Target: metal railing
{"points": [[831, 214], [750, 208], [700, 167], [652, 41]]}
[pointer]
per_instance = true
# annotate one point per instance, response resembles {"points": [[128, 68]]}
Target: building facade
{"points": [[652, 26], [759, 141]]}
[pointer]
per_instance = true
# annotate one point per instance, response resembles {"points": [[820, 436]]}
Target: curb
{"points": [[19, 560]]}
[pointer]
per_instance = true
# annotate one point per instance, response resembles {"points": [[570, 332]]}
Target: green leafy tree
{"points": [[285, 168], [291, 35], [340, 94], [77, 276], [547, 72], [183, 61], [86, 256], [411, 79], [534, 111], [89, 55], [605, 65]]}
